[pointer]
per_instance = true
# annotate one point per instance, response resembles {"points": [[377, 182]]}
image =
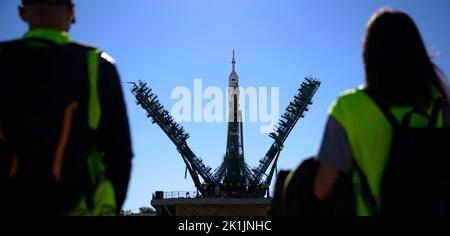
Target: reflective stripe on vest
{"points": [[104, 201], [369, 134], [94, 100]]}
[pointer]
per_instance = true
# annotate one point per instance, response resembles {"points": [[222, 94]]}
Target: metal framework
{"points": [[296, 110], [150, 103], [250, 182], [233, 178]]}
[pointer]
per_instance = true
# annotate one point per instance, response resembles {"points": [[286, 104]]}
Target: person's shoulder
{"points": [[104, 56], [350, 94], [348, 100], [84, 46]]}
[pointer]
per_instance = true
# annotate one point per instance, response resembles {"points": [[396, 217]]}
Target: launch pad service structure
{"points": [[233, 188]]}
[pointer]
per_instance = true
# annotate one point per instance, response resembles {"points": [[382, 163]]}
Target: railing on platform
{"points": [[176, 194]]}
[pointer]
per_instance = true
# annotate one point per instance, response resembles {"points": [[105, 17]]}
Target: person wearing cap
{"points": [[65, 145]]}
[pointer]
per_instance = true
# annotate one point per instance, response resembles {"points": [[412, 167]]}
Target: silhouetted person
{"points": [[64, 136], [389, 133]]}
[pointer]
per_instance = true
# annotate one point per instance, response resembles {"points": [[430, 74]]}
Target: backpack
{"points": [[416, 179], [37, 111]]}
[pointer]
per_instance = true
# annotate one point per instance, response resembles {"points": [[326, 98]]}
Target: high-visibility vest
{"points": [[369, 134], [103, 196]]}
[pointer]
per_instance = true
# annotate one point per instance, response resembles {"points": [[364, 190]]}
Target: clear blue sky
{"points": [[170, 42]]}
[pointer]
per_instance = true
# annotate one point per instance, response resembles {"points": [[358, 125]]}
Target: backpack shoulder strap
{"points": [[384, 109], [365, 189], [438, 104]]}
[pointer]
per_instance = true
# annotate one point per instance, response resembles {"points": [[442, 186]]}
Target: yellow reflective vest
{"points": [[369, 134]]}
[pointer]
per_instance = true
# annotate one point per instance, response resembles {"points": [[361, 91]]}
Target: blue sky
{"points": [[169, 43]]}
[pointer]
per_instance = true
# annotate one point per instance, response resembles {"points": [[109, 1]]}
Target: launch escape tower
{"points": [[233, 178]]}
